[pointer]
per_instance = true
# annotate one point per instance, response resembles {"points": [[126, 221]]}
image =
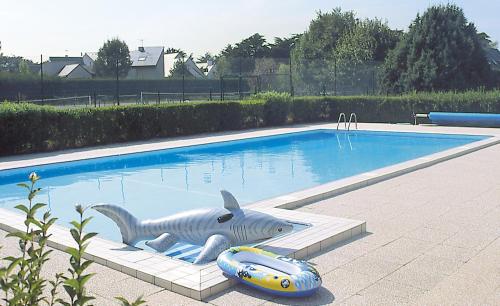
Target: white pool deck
{"points": [[432, 234]]}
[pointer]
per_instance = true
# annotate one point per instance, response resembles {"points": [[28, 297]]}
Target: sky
{"points": [[67, 27]]}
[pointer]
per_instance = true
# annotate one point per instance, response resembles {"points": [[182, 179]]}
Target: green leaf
{"points": [[24, 185], [76, 225], [22, 208], [86, 221], [88, 236], [73, 283], [75, 235], [20, 235], [37, 206], [85, 278], [86, 264], [73, 252], [85, 299]]}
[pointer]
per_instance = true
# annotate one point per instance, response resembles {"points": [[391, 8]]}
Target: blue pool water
{"points": [[159, 183]]}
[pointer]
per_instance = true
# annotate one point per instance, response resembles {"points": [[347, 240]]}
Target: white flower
{"points": [[34, 177]]}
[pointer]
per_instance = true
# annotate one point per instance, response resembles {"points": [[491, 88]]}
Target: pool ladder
{"points": [[348, 126]]}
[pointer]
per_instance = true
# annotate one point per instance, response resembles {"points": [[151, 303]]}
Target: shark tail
{"points": [[128, 224]]}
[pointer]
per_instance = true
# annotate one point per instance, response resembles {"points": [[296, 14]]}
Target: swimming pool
{"points": [[159, 183]]}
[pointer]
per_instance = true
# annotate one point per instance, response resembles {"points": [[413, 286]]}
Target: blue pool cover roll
{"points": [[465, 119]]}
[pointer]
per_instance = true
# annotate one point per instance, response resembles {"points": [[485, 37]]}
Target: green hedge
{"points": [[27, 128]]}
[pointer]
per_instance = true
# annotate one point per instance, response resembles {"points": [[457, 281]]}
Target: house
{"points": [[89, 59], [67, 67], [191, 67], [147, 63], [209, 68], [75, 71], [493, 57]]}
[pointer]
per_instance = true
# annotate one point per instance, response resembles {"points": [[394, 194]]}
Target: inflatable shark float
{"points": [[216, 229]]}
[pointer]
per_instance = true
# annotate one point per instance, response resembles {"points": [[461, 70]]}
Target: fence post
{"points": [[142, 101], [95, 99], [183, 78], [90, 100], [117, 84], [158, 97], [373, 81], [290, 73], [210, 97], [335, 74], [239, 86], [18, 97], [221, 88], [41, 76]]}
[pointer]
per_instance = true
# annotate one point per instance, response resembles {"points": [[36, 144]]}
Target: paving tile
{"points": [[166, 297], [415, 276], [402, 250], [373, 298], [451, 252], [442, 265], [343, 283], [388, 288], [129, 288], [372, 265], [103, 301], [239, 295], [470, 239], [428, 234]]}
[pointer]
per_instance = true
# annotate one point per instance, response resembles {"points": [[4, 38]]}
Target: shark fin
{"points": [[215, 245], [230, 202]]}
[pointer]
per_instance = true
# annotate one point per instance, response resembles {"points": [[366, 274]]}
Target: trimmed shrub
{"points": [[28, 128]]}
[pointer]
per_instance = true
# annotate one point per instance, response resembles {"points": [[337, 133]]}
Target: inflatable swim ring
{"points": [[269, 272]]}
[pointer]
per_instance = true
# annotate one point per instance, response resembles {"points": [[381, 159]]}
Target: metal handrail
{"points": [[345, 121], [350, 121]]}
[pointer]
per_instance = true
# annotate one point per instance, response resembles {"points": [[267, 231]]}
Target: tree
{"points": [[441, 51], [315, 54], [179, 69], [112, 52], [370, 40], [24, 67], [205, 58], [240, 58], [281, 47], [14, 64]]}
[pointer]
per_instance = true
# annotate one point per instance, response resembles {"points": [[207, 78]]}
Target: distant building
{"points": [[209, 68], [191, 67], [89, 59], [67, 67], [75, 71], [493, 57], [147, 63]]}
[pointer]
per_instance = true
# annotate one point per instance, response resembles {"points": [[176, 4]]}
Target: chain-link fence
{"points": [[233, 79]]}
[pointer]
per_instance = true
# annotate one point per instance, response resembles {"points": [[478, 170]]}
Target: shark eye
{"points": [[224, 218], [279, 229]]}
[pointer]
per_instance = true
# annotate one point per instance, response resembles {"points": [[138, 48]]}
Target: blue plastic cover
{"points": [[465, 119]]}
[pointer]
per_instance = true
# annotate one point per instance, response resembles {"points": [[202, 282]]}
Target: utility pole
{"points": [[335, 74], [292, 92], [291, 78], [239, 83], [117, 84], [41, 76], [183, 77]]}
